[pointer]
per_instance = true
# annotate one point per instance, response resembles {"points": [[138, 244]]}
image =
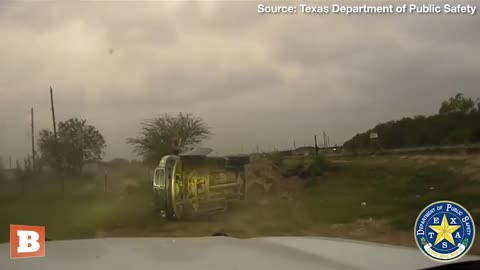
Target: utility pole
{"points": [[294, 145], [53, 115], [57, 158], [324, 140], [33, 143], [316, 146]]}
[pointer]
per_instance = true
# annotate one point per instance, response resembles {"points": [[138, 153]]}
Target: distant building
{"points": [[119, 162], [46, 169], [90, 169], [304, 151], [334, 149], [286, 152], [8, 174]]}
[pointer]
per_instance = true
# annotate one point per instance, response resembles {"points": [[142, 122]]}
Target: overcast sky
{"points": [[256, 79]]}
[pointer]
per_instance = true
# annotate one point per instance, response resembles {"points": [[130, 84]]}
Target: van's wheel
{"points": [[174, 188]]}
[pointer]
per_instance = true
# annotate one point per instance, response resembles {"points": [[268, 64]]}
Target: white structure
{"points": [[90, 169]]}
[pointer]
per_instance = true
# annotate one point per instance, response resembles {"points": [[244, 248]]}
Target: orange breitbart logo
{"points": [[27, 241]]}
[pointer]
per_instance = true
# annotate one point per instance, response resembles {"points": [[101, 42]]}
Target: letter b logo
{"points": [[27, 241]]}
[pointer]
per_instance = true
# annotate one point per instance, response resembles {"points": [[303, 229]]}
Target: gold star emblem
{"points": [[444, 231]]}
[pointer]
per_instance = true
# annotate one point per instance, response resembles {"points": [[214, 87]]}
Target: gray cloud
{"points": [[256, 79]]}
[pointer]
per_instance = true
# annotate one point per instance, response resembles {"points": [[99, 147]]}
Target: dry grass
{"points": [[395, 189]]}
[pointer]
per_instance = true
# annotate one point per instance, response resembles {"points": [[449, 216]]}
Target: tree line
{"points": [[457, 122], [78, 143]]}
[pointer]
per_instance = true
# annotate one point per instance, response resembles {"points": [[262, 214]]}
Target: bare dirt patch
{"points": [[472, 168], [266, 182]]}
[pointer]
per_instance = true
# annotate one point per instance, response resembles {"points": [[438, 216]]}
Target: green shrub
{"points": [[130, 189], [299, 169], [320, 165], [317, 168], [277, 159]]}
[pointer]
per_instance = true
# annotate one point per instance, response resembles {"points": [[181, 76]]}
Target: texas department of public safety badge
{"points": [[444, 231]]}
